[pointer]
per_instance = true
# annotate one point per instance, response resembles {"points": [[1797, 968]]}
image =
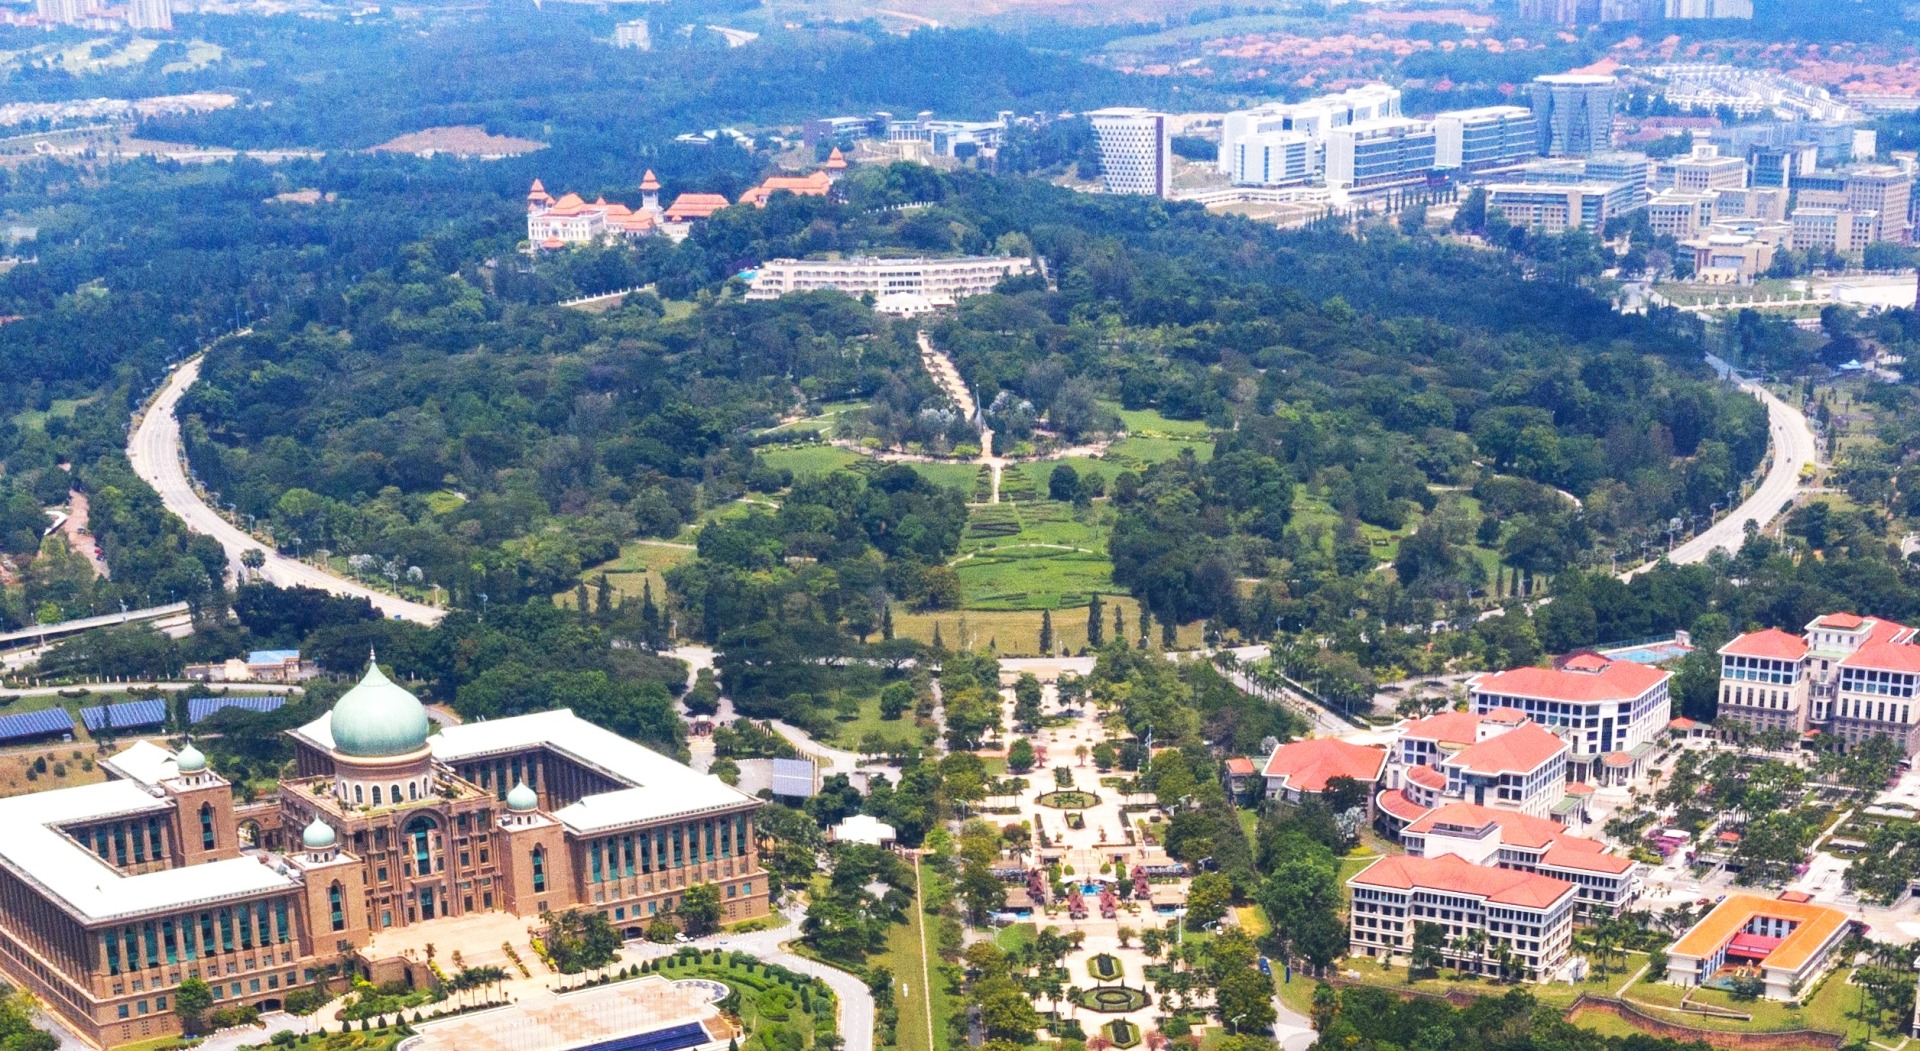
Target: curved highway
{"points": [[154, 448], [1793, 448]]}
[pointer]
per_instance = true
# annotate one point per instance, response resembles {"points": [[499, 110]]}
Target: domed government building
{"points": [[387, 837]]}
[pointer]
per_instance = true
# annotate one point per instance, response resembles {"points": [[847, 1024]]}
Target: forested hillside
{"points": [[442, 419]]}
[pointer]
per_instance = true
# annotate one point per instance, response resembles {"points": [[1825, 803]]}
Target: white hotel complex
{"points": [[901, 286], [1609, 711], [1845, 675]]}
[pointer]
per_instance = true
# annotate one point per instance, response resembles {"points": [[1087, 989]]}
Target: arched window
{"points": [[420, 830], [207, 839], [376, 795], [413, 790], [358, 796], [539, 870], [335, 906], [394, 793]]}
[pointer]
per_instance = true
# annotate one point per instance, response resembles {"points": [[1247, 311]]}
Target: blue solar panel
{"points": [[678, 1038], [127, 715], [199, 708], [43, 723]]}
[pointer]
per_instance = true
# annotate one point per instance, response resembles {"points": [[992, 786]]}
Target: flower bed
{"points": [[1068, 799], [1104, 967], [1123, 1033], [1113, 999]]}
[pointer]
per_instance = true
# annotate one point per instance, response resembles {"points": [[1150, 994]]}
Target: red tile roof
{"points": [[1885, 656], [1428, 777], [1615, 681], [1516, 751], [1579, 788], [1585, 661], [1455, 875], [1618, 760], [1576, 856], [1560, 848], [1446, 728], [1395, 802], [1308, 765], [1681, 722], [813, 185], [1240, 766], [695, 205], [648, 181], [1842, 621], [1772, 644]]}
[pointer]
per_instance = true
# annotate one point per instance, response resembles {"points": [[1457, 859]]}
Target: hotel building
{"points": [[932, 282], [1302, 768], [1789, 940], [113, 894], [1500, 759], [1608, 711], [1528, 913], [1603, 881], [1847, 676]]}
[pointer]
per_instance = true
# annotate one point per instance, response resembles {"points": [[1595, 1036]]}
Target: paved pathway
{"points": [[153, 446], [856, 1003]]}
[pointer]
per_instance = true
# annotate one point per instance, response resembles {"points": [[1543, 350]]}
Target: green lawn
{"points": [[1016, 936], [1830, 1009], [753, 984], [961, 476], [640, 562], [848, 733], [1016, 633], [59, 408], [1034, 555], [1149, 421], [913, 992], [1137, 453], [804, 460]]}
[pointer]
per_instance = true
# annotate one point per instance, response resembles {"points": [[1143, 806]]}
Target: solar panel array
{"points": [[126, 715], [44, 723], [200, 708], [676, 1038]]}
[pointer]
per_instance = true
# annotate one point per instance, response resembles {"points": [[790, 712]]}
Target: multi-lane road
{"points": [[1793, 448], [154, 448]]}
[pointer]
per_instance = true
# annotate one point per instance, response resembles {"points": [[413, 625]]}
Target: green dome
{"points": [[189, 760], [522, 798], [318, 835], [377, 718]]}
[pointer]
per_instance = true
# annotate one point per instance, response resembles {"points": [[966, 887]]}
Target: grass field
{"points": [[848, 733], [1136, 454], [1034, 555], [1831, 1008], [639, 562], [1016, 633], [59, 408], [1148, 421], [916, 996], [804, 460]]}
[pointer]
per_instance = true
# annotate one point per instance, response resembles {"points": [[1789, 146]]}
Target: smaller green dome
{"points": [[378, 718], [189, 760], [318, 835], [522, 799]]}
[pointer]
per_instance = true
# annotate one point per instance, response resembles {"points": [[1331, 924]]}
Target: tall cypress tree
{"points": [[1096, 624], [1046, 632]]}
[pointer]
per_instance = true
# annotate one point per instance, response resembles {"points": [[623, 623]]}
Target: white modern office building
{"points": [[1136, 151], [1314, 120], [896, 285], [1380, 152], [1472, 140]]}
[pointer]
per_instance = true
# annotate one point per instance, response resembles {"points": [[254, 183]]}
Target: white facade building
{"points": [[1530, 914], [1379, 152], [1136, 151], [1489, 137], [1314, 119], [1848, 676], [935, 282], [1609, 711]]}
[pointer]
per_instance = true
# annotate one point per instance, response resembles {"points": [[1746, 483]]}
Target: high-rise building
{"points": [[1314, 118], [1379, 152], [1574, 113], [150, 14], [1136, 151], [1887, 190], [1490, 137]]}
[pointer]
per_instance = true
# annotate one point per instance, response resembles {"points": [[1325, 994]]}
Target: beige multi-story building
{"points": [[1603, 881], [1529, 914], [1848, 676], [1701, 171], [113, 894], [1680, 214], [1498, 759], [904, 284], [1608, 711]]}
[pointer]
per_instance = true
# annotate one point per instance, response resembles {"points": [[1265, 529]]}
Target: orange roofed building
{"points": [[1848, 676], [1789, 943], [1609, 712], [1531, 915], [570, 220], [815, 184], [1302, 768], [1603, 881]]}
